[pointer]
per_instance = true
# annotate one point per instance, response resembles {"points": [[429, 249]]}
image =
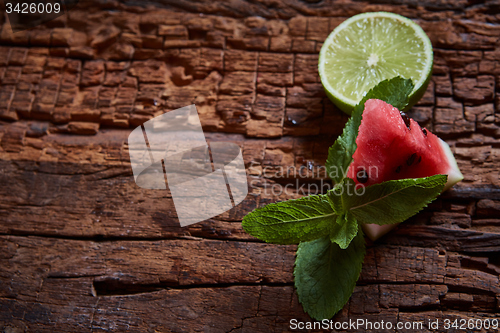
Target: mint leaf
{"points": [[346, 226], [340, 154], [346, 230], [335, 196], [325, 275], [394, 201], [394, 91], [293, 221]]}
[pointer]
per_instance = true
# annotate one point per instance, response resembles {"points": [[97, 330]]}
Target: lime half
{"points": [[368, 48]]}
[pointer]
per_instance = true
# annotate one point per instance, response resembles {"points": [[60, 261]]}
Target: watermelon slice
{"points": [[390, 145]]}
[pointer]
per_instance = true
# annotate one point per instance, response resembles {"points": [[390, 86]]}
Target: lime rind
{"points": [[356, 56]]}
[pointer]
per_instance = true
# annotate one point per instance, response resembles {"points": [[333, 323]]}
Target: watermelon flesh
{"points": [[390, 146]]}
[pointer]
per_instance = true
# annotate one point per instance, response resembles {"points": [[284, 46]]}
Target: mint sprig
{"points": [[332, 247]]}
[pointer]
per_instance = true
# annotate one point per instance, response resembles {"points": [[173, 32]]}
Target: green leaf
{"points": [[340, 154], [325, 275], [394, 91], [347, 228], [335, 196], [292, 221], [394, 201]]}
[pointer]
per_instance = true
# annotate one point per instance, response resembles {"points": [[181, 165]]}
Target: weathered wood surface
{"points": [[84, 249]]}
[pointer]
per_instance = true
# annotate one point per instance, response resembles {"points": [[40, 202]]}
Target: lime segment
{"points": [[371, 47]]}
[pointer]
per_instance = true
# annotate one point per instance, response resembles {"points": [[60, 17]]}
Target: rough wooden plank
{"points": [[119, 282], [59, 194], [473, 76]]}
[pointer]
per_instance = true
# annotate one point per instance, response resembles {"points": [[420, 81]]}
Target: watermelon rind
{"points": [[454, 174]]}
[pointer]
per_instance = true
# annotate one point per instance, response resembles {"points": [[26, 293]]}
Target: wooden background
{"points": [[84, 249]]}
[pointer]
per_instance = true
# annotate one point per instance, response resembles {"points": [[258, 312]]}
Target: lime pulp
{"points": [[371, 47]]}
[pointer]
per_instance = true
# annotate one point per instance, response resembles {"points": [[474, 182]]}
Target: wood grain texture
{"points": [[85, 249]]}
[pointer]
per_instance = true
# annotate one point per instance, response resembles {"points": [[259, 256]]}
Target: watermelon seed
{"points": [[362, 176], [398, 169], [411, 159], [425, 131], [405, 119], [419, 160]]}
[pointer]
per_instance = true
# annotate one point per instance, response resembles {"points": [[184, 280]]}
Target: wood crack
{"points": [[115, 287]]}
